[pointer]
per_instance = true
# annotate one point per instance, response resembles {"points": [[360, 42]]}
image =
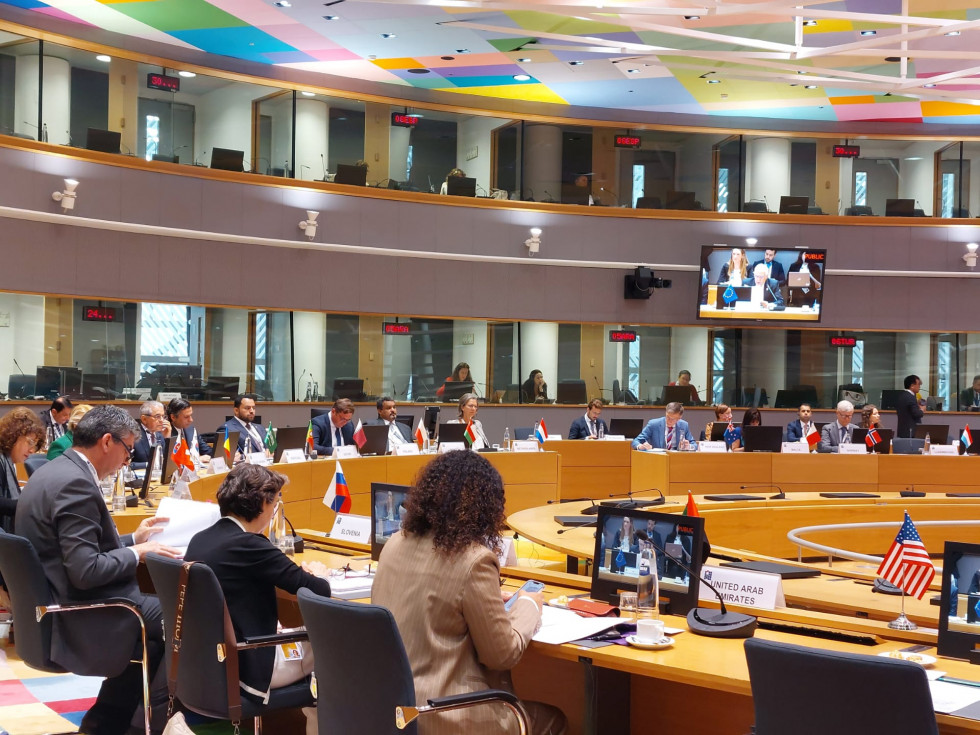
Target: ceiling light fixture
{"points": [[714, 81], [522, 77], [869, 33], [809, 22], [692, 17], [103, 58], [284, 4], [462, 51], [331, 17], [66, 197], [576, 63], [750, 241], [952, 33], [388, 35], [632, 71], [187, 74], [308, 94], [524, 61], [928, 86]]}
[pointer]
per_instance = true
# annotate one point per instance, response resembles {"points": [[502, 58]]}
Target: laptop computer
{"points": [[451, 432], [798, 280], [350, 175], [453, 390], [377, 440], [461, 186], [882, 447], [786, 571], [899, 207], [626, 427], [793, 205], [762, 438], [938, 433], [289, 437], [718, 429]]}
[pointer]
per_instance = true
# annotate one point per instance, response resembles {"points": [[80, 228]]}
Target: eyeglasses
{"points": [[130, 449]]}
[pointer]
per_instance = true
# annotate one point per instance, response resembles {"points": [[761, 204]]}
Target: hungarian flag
{"points": [[270, 439], [309, 436], [907, 564], [180, 456], [691, 509], [359, 439], [470, 435], [421, 434], [338, 494], [966, 437], [541, 432], [812, 437], [872, 438]]}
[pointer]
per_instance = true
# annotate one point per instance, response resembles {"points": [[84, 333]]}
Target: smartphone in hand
{"points": [[532, 585]]}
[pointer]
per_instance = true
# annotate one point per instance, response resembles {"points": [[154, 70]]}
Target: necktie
{"points": [[806, 429], [337, 441], [976, 399], [670, 437], [394, 435], [843, 435], [592, 427]]}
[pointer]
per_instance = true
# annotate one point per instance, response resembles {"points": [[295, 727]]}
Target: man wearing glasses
{"points": [[154, 428], [334, 429], [63, 514]]}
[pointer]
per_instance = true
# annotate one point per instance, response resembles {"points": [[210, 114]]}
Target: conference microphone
{"points": [[767, 203], [778, 307], [531, 198], [599, 386], [778, 496], [705, 621], [299, 380], [323, 163], [590, 524], [17, 365], [550, 199]]}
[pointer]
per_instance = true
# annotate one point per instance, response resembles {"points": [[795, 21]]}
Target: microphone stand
{"points": [[704, 621], [778, 496]]}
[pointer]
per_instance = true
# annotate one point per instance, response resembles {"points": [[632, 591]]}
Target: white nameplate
{"points": [[259, 458], [406, 450], [350, 527], [742, 587], [524, 445], [450, 447], [795, 448], [712, 447], [614, 438], [553, 438], [217, 466], [165, 398], [861, 448], [944, 450], [348, 451], [292, 456]]}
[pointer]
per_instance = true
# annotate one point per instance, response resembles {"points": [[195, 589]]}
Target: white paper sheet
{"points": [[187, 517], [948, 697], [562, 626]]}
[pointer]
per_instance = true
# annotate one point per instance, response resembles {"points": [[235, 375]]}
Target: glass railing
{"points": [[117, 350]]}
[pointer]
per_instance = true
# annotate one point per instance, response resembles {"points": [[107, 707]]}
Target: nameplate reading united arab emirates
{"points": [[742, 587], [352, 528]]}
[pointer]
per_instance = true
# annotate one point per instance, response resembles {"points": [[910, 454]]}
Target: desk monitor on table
{"points": [[352, 388], [762, 438], [676, 394], [938, 433], [168, 464], [887, 402], [451, 432], [742, 293], [20, 385], [461, 186], [107, 141], [794, 205], [227, 159], [387, 511], [453, 390], [289, 437], [959, 619], [680, 200], [350, 175], [900, 207], [859, 436], [615, 567], [630, 428]]}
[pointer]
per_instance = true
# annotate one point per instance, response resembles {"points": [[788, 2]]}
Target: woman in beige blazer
{"points": [[440, 578]]}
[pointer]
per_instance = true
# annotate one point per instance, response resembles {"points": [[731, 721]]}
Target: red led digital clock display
{"points": [[847, 151], [404, 121], [98, 314], [843, 341], [622, 335], [164, 82], [395, 328], [628, 141]]}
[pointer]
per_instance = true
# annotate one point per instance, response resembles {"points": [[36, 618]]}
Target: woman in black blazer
{"points": [[249, 569]]}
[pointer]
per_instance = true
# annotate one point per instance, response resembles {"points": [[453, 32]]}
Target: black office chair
{"points": [[904, 445], [617, 392], [810, 691], [33, 462], [209, 651], [814, 210], [364, 680], [858, 211], [522, 433], [757, 207], [32, 603], [314, 412]]}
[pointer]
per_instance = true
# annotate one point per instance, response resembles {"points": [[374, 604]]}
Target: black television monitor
{"points": [[796, 397], [454, 390], [352, 388], [615, 567], [387, 511], [227, 159], [289, 437], [571, 194], [938, 433], [794, 205], [959, 621], [762, 438], [461, 186], [676, 394], [900, 207], [20, 386], [52, 381], [220, 387], [168, 464], [572, 391], [726, 296], [350, 175], [166, 159], [630, 428], [107, 141], [680, 200]]}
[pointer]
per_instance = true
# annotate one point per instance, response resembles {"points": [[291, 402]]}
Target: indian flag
{"points": [[470, 435]]}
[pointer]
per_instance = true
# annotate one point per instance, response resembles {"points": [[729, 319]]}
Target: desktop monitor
{"points": [[888, 398], [387, 511], [219, 387], [762, 438], [352, 388], [168, 464], [165, 159], [676, 394], [615, 557], [630, 428], [227, 159], [938, 433], [454, 390], [148, 473], [794, 205], [451, 432], [858, 436], [680, 200], [796, 397], [106, 141], [20, 386], [289, 437], [572, 391], [959, 619], [350, 175], [900, 207], [376, 440], [571, 194], [406, 419], [49, 381], [430, 420], [461, 186]]}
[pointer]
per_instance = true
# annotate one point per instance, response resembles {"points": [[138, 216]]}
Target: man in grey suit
{"points": [[398, 433], [62, 513], [838, 432]]}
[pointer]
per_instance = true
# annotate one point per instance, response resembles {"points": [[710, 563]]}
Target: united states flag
{"points": [[907, 564]]}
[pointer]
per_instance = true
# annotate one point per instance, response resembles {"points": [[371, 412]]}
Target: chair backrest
{"points": [[760, 207], [28, 587], [904, 445], [810, 691], [523, 432], [617, 392], [202, 683], [859, 211], [34, 461], [361, 675], [649, 203]]}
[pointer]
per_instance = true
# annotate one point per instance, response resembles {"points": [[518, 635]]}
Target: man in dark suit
{"points": [[153, 430], [55, 419], [798, 429], [180, 413], [907, 408], [765, 288], [398, 433], [334, 429], [251, 438], [589, 426], [773, 268], [970, 398], [62, 513], [669, 432], [837, 432]]}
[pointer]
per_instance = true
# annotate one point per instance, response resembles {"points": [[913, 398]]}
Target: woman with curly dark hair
{"points": [[439, 576], [21, 434]]}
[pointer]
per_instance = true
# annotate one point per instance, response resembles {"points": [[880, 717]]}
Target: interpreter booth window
{"points": [[422, 154], [271, 365], [272, 139]]}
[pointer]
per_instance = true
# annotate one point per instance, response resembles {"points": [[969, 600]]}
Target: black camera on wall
{"points": [[641, 283]]}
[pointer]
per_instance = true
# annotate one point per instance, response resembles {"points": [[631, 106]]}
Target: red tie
{"points": [[670, 436]]}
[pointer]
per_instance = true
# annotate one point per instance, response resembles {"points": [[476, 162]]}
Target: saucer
{"points": [[916, 658], [664, 642]]}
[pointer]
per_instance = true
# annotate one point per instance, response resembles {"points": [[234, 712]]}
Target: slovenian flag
{"points": [[359, 438], [966, 437], [309, 436], [872, 438], [470, 436], [338, 494], [729, 296], [812, 437], [421, 434], [180, 456], [541, 432]]}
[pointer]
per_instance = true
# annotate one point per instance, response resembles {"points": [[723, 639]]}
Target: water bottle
{"points": [[928, 443], [156, 468], [647, 586], [507, 437], [119, 494], [600, 430]]}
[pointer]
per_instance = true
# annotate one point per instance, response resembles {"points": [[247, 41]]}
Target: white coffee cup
{"points": [[649, 630]]}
